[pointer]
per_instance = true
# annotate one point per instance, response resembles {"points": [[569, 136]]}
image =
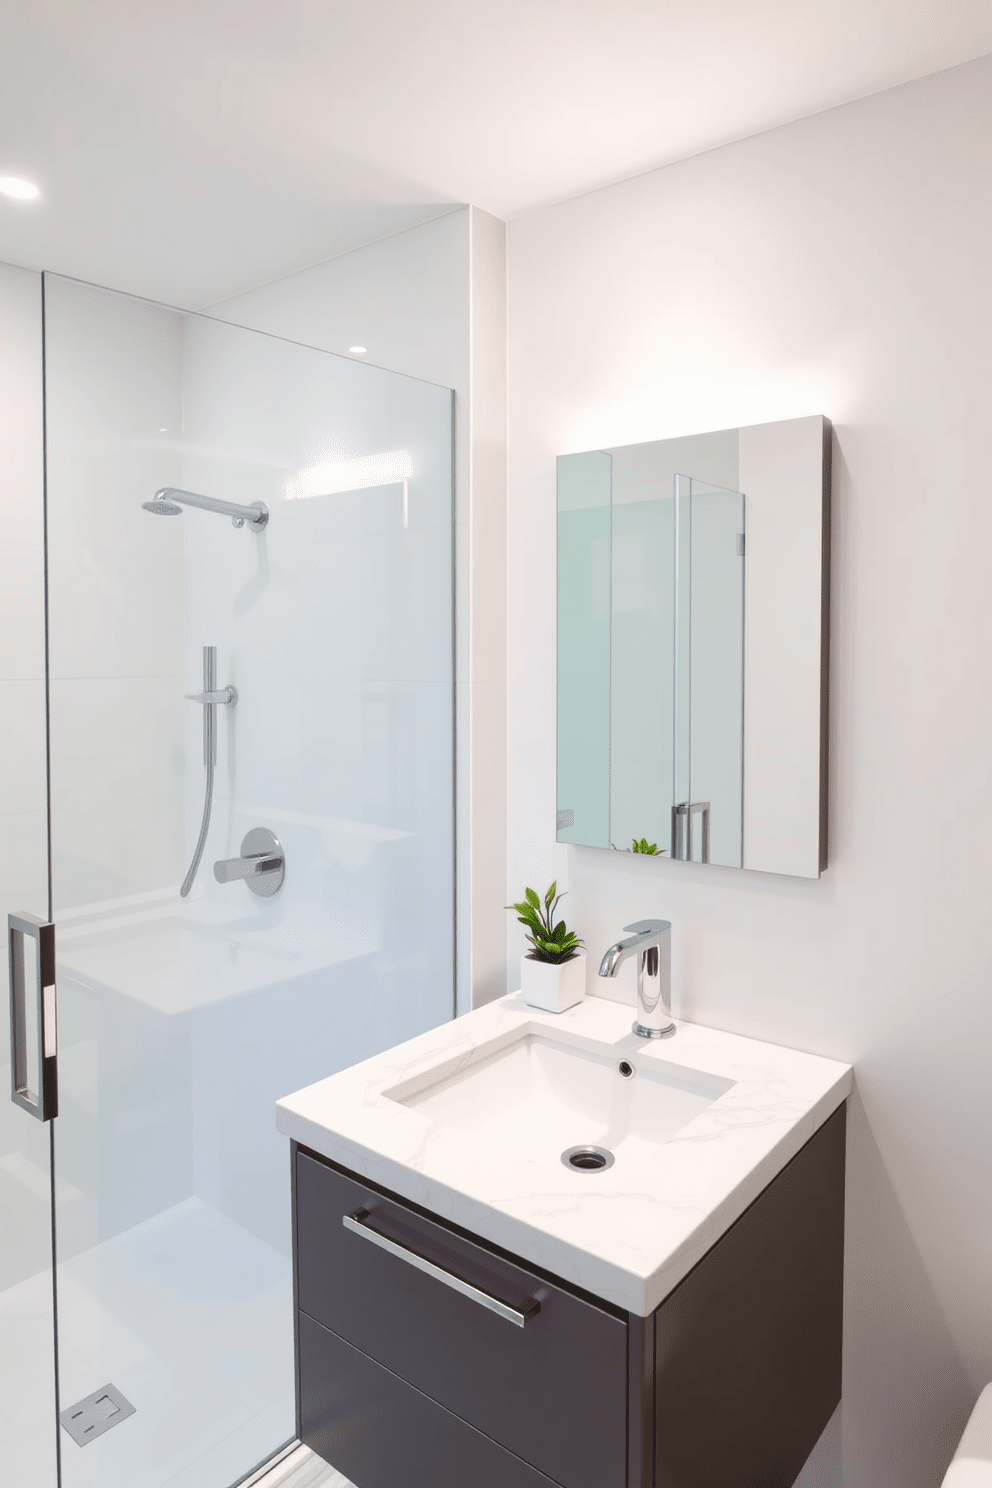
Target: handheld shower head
{"points": [[162, 508]]}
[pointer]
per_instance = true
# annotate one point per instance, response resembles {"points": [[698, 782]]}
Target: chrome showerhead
{"points": [[169, 501], [162, 508]]}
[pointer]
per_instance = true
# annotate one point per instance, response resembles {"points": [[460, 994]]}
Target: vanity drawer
{"points": [[553, 1391], [382, 1433]]}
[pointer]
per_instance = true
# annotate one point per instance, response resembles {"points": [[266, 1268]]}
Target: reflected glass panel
{"points": [[715, 674], [585, 619]]}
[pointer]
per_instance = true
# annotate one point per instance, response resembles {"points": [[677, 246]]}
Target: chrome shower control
{"points": [[262, 864]]}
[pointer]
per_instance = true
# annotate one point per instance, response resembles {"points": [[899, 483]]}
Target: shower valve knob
{"points": [[262, 864]]}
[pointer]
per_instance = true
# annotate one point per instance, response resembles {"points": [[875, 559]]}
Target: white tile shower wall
{"points": [[849, 276], [114, 406], [114, 410], [334, 625], [430, 302]]}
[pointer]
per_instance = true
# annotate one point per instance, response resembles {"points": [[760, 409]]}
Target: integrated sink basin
{"points": [[474, 1122], [538, 1096]]}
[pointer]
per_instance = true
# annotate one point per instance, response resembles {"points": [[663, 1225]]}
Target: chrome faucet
{"points": [[651, 942]]}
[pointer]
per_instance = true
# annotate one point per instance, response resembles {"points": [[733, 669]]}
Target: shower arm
{"points": [[255, 516]]}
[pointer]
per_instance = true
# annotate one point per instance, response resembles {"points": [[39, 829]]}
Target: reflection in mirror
{"points": [[692, 589]]}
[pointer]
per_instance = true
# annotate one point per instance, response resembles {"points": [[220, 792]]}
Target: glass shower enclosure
{"points": [[249, 635]]}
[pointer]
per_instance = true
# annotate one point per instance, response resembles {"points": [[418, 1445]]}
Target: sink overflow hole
{"points": [[587, 1159], [626, 1069]]}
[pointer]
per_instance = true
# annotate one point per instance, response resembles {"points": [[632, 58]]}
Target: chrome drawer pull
{"points": [[354, 1222]]}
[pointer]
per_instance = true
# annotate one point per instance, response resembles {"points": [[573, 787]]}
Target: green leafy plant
{"points": [[642, 845], [552, 943]]}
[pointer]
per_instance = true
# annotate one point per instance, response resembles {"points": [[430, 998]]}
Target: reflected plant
{"points": [[551, 943]]}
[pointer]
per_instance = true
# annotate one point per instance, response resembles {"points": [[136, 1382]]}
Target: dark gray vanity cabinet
{"points": [[427, 1358]]}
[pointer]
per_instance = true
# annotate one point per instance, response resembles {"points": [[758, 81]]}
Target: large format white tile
{"points": [[28, 1456], [24, 862], [23, 746], [86, 618], [27, 1370], [87, 852], [22, 611]]}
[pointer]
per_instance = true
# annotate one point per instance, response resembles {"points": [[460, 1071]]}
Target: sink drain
{"points": [[587, 1159]]}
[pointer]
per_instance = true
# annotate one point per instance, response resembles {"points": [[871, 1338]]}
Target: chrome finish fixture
{"points": [[682, 815], [42, 1101], [587, 1159], [90, 1418], [356, 1224], [650, 942], [169, 501], [209, 697], [262, 863], [228, 696]]}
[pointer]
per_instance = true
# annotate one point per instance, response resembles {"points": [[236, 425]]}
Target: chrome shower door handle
{"points": [[42, 1101]]}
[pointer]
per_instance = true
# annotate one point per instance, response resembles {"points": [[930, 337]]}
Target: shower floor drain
{"points": [[587, 1159], [90, 1418]]}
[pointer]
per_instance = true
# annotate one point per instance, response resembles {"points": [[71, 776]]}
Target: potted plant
{"points": [[553, 971]]}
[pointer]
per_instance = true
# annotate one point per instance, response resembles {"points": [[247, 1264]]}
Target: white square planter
{"points": [[553, 988]]}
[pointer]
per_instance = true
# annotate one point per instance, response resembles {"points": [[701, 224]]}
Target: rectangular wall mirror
{"points": [[693, 599]]}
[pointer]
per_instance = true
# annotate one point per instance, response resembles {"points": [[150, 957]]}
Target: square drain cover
{"points": [[90, 1418]]}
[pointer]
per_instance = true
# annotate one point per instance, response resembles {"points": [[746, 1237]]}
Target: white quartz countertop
{"points": [[628, 1234]]}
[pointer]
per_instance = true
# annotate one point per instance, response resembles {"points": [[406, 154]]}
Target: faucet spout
{"points": [[624, 949], [650, 942]]}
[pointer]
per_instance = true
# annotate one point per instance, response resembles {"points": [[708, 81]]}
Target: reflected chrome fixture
{"points": [[650, 941], [169, 501], [682, 815], [262, 863], [209, 697]]}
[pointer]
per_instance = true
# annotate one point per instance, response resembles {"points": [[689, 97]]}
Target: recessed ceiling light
{"points": [[18, 189], [358, 350]]}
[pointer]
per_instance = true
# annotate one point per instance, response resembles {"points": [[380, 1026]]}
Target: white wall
{"points": [[430, 302], [849, 276]]}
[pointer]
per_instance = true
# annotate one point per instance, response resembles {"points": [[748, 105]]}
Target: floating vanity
{"points": [[534, 1249]]}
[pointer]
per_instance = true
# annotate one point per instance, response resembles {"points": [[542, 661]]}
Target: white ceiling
{"points": [[188, 149]]}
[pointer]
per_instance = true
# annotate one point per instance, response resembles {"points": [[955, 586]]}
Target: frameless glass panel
{"points": [[715, 674], [681, 579], [321, 713], [27, 1355], [584, 620], [642, 653]]}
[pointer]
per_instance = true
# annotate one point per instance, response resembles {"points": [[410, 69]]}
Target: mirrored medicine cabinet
{"points": [[693, 621]]}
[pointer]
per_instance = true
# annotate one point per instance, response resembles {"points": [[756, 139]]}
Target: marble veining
{"points": [[628, 1234]]}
